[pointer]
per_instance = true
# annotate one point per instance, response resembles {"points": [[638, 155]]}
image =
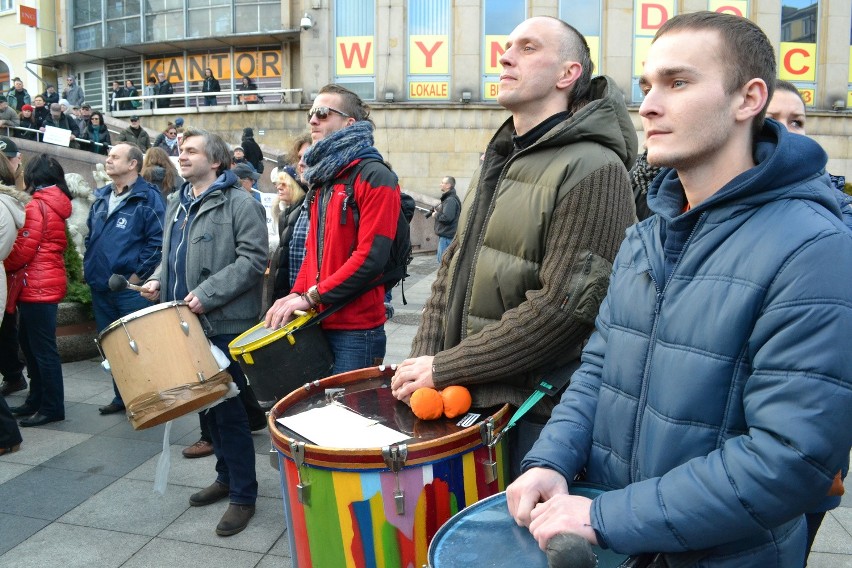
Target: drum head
{"points": [[485, 535]]}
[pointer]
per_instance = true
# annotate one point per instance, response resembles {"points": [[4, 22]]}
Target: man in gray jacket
{"points": [[73, 92], [214, 257]]}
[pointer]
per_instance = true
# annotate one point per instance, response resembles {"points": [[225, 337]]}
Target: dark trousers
{"points": [[110, 306], [231, 437], [10, 435], [256, 415], [11, 365], [38, 341]]}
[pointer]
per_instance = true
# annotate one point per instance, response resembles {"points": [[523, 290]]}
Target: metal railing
{"points": [[39, 134], [199, 96]]}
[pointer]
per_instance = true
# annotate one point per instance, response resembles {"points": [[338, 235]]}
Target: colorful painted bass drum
{"points": [[381, 506], [485, 534]]}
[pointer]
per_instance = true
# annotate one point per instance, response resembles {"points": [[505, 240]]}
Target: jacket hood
{"points": [[225, 181], [604, 119], [13, 204], [20, 196], [54, 198], [788, 166]]}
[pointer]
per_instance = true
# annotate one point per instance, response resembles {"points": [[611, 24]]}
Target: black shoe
{"points": [[38, 420], [22, 410], [7, 387], [260, 425], [235, 519], [111, 408], [209, 495]]}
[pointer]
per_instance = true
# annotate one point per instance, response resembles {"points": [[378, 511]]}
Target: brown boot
{"points": [[209, 495], [200, 449], [235, 519]]}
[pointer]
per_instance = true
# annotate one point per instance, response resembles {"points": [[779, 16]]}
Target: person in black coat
{"points": [[210, 85], [252, 151]]}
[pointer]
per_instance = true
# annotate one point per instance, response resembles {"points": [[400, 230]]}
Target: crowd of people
{"points": [[692, 357]]}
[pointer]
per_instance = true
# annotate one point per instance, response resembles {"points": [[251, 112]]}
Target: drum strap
{"points": [[553, 385]]}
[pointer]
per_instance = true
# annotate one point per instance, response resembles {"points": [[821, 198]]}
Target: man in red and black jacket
{"points": [[344, 257]]}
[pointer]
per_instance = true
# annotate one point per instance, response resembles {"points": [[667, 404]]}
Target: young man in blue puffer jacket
{"points": [[713, 399]]}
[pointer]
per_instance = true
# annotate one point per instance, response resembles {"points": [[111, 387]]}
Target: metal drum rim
{"points": [[236, 348], [482, 503], [139, 314], [361, 459]]}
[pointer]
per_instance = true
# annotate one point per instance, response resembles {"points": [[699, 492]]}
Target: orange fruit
{"points": [[426, 404], [456, 401]]}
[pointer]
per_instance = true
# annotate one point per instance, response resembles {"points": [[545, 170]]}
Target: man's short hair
{"points": [[351, 102], [450, 180], [575, 48], [215, 149], [746, 51], [134, 153]]}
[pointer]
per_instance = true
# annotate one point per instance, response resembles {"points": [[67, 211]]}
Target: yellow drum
{"points": [[278, 361]]}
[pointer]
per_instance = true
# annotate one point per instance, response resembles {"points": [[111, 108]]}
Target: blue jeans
{"points": [[109, 306], [443, 243], [37, 335], [210, 101], [231, 437], [356, 349]]}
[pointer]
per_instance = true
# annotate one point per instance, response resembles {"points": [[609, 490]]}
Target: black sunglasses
{"points": [[323, 112]]}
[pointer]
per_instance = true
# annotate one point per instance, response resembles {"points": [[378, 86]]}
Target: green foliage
{"points": [[78, 290], [848, 188]]}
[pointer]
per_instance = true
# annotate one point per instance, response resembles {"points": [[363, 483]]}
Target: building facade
{"points": [[429, 67]]}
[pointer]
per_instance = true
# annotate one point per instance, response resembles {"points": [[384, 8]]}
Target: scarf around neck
{"points": [[327, 157]]}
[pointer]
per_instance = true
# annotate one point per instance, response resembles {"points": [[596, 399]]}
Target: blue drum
{"points": [[485, 535]]}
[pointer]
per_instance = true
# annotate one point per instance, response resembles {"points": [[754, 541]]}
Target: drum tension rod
{"points": [[183, 324], [486, 430], [302, 489], [130, 340], [395, 457]]}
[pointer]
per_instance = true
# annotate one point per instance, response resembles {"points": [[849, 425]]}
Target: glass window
{"points": [[585, 16], [429, 35], [798, 54], [164, 20], [124, 31], [500, 17], [87, 11], [6, 5], [121, 8], [354, 46], [88, 37], [206, 22], [648, 17], [258, 16]]}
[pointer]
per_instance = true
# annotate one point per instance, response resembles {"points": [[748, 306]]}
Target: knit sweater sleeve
{"points": [[584, 236], [430, 333]]}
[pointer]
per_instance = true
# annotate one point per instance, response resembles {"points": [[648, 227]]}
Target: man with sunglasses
{"points": [[519, 287], [343, 257]]}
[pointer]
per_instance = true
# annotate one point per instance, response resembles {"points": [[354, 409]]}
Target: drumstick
{"points": [[568, 550], [117, 283]]}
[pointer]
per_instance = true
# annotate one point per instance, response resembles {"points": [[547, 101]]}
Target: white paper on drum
{"points": [[335, 426]]}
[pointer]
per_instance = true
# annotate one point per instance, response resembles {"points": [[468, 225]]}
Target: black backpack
{"points": [[396, 268]]}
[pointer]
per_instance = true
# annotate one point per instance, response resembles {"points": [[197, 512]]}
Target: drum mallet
{"points": [[568, 550], [117, 283]]}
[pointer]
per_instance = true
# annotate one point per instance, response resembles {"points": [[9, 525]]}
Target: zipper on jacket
{"points": [[643, 395]]}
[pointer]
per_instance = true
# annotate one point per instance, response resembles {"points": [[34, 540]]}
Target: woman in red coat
{"points": [[37, 264]]}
